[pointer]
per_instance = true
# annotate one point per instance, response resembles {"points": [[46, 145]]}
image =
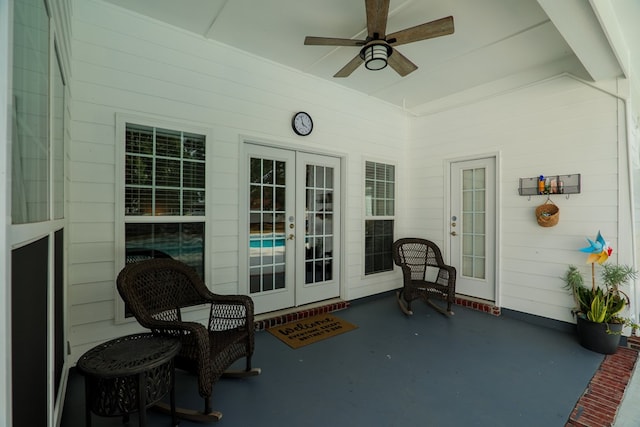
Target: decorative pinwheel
{"points": [[599, 250]]}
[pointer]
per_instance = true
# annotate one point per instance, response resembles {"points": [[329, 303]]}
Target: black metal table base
{"points": [[128, 375]]}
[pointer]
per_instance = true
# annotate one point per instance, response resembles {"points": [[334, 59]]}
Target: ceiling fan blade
{"points": [[330, 41], [350, 67], [400, 63], [437, 28], [377, 12]]}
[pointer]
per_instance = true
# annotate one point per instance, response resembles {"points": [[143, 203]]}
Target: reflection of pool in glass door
{"points": [[293, 218]]}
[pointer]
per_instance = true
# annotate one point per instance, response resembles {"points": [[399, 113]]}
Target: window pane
{"points": [[193, 175], [478, 179], [193, 203], [378, 241], [57, 142], [379, 189], [31, 150], [167, 202], [256, 171], [137, 201], [181, 241], [167, 172], [168, 143], [194, 147], [267, 171], [139, 139], [161, 158], [280, 173]]}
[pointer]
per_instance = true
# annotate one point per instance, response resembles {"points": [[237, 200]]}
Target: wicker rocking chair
{"points": [[425, 274], [156, 290]]}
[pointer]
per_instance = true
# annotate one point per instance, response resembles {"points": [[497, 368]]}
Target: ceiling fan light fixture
{"points": [[375, 56]]}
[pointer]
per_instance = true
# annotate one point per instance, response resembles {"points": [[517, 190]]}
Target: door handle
{"points": [[453, 233], [291, 237]]}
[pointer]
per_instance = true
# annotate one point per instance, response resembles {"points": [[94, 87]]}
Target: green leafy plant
{"points": [[601, 304]]}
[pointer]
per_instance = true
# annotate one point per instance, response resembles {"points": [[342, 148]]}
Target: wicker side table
{"points": [[129, 374]]}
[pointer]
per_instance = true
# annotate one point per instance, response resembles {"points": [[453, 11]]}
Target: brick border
{"points": [[261, 325], [598, 405], [485, 307], [278, 320]]}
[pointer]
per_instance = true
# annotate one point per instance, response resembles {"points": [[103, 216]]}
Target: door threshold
{"points": [[479, 304], [280, 317]]}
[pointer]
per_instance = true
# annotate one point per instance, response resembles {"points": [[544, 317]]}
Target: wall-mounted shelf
{"points": [[554, 184]]}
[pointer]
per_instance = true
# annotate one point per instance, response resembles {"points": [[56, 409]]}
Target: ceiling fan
{"points": [[378, 49]]}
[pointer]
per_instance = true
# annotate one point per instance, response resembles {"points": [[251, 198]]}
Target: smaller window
{"points": [[379, 216]]}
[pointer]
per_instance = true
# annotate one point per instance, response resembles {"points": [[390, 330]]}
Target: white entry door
{"points": [[291, 238], [472, 226]]}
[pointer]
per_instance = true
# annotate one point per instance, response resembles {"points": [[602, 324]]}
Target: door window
{"points": [[473, 220]]}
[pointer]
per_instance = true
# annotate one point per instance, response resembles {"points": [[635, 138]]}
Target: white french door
{"points": [[472, 226], [291, 238]]}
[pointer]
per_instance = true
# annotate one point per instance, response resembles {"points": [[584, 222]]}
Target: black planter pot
{"points": [[594, 336]]}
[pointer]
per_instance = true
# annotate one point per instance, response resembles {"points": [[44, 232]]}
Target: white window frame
{"points": [[121, 219], [368, 213]]}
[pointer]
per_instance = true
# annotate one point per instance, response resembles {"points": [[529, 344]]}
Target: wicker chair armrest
{"points": [[449, 276], [178, 328], [231, 312]]}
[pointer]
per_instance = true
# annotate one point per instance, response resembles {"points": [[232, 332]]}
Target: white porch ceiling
{"points": [[497, 44]]}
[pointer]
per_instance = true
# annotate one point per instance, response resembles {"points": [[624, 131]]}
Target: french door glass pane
{"points": [[319, 224], [266, 225]]}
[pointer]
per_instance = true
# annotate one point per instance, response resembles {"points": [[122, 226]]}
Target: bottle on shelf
{"points": [[541, 185]]}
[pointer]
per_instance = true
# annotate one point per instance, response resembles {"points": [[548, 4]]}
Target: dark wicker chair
{"points": [[157, 290], [425, 274]]}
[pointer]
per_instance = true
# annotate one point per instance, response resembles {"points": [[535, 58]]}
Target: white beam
{"points": [[6, 27], [578, 24]]}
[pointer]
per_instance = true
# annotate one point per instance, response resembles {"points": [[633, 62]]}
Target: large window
{"points": [[379, 216], [164, 203], [37, 131], [30, 102]]}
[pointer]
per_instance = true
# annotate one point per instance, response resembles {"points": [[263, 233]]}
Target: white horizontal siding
{"points": [[126, 64], [562, 126]]}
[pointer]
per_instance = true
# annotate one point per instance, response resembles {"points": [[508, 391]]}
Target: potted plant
{"points": [[598, 318]]}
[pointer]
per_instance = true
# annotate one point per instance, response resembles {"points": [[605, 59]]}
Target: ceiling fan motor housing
{"points": [[375, 55]]}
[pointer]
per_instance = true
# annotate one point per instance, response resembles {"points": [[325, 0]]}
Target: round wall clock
{"points": [[302, 123]]}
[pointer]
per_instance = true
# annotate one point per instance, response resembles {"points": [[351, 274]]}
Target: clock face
{"points": [[302, 123]]}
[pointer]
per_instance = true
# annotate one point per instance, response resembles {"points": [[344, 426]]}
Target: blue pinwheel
{"points": [[599, 250]]}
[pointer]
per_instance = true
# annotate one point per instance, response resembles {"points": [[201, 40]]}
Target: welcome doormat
{"points": [[303, 332]]}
